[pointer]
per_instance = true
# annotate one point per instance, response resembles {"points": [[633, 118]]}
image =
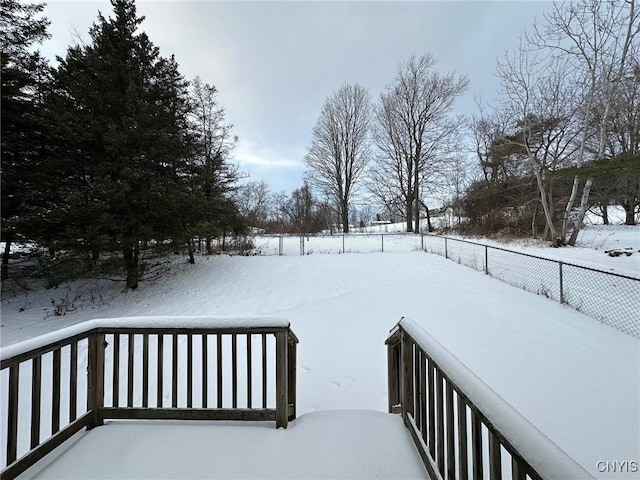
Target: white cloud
{"points": [[248, 152]]}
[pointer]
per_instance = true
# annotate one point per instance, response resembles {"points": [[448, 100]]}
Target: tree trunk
{"points": [[429, 226], [130, 256], [545, 207], [569, 207], [629, 213], [583, 210], [192, 259], [605, 213], [5, 259], [410, 213], [344, 210], [208, 246]]}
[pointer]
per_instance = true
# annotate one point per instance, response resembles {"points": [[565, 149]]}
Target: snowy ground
{"points": [[574, 378]]}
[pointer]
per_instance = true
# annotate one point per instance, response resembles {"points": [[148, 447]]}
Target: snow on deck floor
{"points": [[330, 444]]}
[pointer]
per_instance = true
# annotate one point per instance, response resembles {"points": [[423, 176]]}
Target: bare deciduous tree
{"points": [[411, 129], [339, 149], [596, 38], [253, 201], [543, 109]]}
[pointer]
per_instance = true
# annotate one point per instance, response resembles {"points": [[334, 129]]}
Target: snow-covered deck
{"points": [[323, 444]]}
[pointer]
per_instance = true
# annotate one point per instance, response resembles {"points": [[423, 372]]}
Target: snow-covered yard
{"points": [[574, 378]]}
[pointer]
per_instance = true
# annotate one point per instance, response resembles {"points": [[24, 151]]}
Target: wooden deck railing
{"points": [[460, 426], [154, 368]]}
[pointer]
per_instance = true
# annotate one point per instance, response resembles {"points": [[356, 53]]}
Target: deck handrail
{"points": [[440, 400], [99, 355]]}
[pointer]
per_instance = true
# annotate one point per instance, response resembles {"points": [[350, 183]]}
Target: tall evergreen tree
{"points": [[216, 177], [23, 74], [123, 113]]}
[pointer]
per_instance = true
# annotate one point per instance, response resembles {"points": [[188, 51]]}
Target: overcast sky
{"points": [[275, 63]]}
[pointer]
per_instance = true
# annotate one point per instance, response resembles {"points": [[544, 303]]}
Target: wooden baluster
{"points": [[517, 470], [440, 421], [462, 439], [115, 401], [418, 392], [36, 398], [55, 392], [432, 410], [219, 353], [145, 370], [476, 445], [451, 454], [423, 399], [12, 414], [189, 370], [234, 371], [249, 381], [264, 370], [73, 382], [130, 357], [205, 376], [174, 371], [160, 360], [495, 460]]}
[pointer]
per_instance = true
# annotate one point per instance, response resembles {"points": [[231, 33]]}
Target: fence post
{"points": [[486, 260], [446, 252], [561, 284], [343, 251], [282, 386], [95, 381]]}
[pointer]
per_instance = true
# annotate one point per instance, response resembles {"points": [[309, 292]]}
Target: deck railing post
{"points": [[407, 377], [95, 381], [393, 372], [282, 387], [291, 378]]}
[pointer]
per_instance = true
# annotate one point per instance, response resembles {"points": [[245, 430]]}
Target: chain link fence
{"points": [[336, 244], [611, 298]]}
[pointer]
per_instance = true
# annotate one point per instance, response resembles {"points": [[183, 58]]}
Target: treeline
{"points": [[562, 137], [112, 158]]}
